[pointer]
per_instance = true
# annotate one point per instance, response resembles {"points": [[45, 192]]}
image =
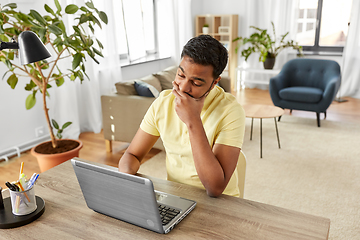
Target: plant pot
{"points": [[51, 158], [269, 63], [205, 30]]}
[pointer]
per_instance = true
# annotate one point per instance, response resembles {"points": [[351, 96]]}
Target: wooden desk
{"points": [[66, 216]]}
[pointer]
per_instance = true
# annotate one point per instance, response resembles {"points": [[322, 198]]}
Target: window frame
{"points": [[316, 47], [150, 54]]}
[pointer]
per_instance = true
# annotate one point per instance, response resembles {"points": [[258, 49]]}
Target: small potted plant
{"points": [[71, 45], [205, 29], [268, 47]]}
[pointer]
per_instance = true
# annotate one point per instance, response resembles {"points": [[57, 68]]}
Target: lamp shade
{"points": [[31, 48]]}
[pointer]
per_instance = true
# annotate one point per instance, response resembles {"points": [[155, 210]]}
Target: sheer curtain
{"points": [[80, 102], [350, 85], [174, 26], [260, 14]]}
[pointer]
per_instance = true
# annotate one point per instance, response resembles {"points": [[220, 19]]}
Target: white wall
{"points": [[17, 125]]}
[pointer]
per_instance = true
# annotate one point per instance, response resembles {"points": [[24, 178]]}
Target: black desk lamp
{"points": [[31, 50], [30, 47]]}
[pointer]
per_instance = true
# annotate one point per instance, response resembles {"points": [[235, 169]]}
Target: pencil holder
{"points": [[23, 202]]}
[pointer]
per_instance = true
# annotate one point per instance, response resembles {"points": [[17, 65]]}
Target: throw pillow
{"points": [[166, 77], [125, 88], [146, 90]]}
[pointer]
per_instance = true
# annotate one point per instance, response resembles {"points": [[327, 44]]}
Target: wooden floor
{"points": [[94, 144]]}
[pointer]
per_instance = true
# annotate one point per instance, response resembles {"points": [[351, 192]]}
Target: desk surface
{"points": [[66, 216]]}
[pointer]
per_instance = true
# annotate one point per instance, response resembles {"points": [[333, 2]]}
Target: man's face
{"points": [[194, 79]]}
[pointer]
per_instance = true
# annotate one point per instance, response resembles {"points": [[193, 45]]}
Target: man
{"points": [[201, 126]]}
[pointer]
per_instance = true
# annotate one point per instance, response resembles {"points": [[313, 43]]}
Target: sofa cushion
{"points": [[166, 77], [144, 89], [125, 88], [128, 88], [301, 94]]}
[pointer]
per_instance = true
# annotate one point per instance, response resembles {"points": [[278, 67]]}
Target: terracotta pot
{"points": [[47, 161]]}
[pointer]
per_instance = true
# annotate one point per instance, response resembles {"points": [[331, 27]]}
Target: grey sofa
{"points": [[122, 112]]}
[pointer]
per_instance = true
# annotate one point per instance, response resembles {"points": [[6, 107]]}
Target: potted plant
{"points": [[205, 29], [71, 45], [268, 47]]}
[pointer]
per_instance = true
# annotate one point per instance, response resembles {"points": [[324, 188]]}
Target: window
{"points": [[322, 25], [136, 29]]}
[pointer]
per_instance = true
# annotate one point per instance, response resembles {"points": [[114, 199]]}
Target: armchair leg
{"points": [[279, 118], [318, 119], [108, 145], [290, 111], [325, 115]]}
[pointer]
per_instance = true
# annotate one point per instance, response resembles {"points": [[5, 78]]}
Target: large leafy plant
{"points": [[262, 42], [72, 44]]}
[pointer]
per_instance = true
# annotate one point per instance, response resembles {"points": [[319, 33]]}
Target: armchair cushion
{"points": [[301, 94]]}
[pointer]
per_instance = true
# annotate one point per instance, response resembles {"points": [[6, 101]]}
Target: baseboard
{"points": [[17, 150]]}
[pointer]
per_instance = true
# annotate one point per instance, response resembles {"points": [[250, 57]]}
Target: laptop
{"points": [[129, 198]]}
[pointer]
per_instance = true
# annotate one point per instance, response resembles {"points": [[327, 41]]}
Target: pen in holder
{"points": [[23, 202]]}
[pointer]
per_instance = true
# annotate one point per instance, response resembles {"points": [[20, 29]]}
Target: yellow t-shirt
{"points": [[223, 119]]}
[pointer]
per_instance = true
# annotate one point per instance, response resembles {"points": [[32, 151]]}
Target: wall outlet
{"points": [[39, 131]]}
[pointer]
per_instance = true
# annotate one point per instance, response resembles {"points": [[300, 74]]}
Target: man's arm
{"points": [[214, 166], [138, 148]]}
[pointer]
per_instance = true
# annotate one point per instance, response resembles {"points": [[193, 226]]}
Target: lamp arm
{"points": [[9, 45]]}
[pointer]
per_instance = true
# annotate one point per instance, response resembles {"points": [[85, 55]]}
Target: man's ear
{"points": [[215, 82]]}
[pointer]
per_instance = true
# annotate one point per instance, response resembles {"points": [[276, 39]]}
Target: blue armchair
{"points": [[306, 84]]}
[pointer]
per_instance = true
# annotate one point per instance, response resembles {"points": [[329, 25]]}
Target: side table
{"points": [[262, 111]]}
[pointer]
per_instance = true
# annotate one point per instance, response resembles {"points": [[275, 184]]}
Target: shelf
{"points": [[228, 23]]}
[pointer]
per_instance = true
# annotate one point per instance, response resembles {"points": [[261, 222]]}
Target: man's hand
{"points": [[187, 108]]}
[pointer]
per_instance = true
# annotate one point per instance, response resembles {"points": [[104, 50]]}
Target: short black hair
{"points": [[206, 50]]}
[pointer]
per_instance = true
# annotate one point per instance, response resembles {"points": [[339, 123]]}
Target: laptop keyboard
{"points": [[167, 213]]}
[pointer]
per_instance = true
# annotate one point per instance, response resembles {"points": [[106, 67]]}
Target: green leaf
{"points": [[84, 9], [103, 17], [42, 33], [66, 125], [96, 20], [38, 17], [97, 52], [59, 82], [8, 64], [55, 29], [11, 5], [100, 44], [72, 77], [55, 124], [11, 55], [30, 86], [58, 6], [71, 9], [84, 18], [59, 136], [12, 81], [30, 101], [90, 5], [49, 10], [76, 61], [62, 26]]}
